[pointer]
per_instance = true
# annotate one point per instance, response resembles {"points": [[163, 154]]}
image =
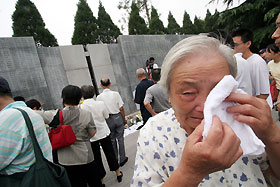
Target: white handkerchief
{"points": [[215, 105]]}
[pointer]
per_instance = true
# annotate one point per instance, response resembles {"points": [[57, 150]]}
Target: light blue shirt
{"points": [[16, 151]]}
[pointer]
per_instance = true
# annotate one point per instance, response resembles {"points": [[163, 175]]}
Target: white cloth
{"points": [[112, 100], [99, 114], [215, 105], [243, 76], [260, 77]]}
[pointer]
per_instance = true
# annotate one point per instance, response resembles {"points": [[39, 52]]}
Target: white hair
{"points": [[195, 45], [140, 72]]}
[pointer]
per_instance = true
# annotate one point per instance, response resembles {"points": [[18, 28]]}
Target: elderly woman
{"points": [[78, 157], [170, 147]]}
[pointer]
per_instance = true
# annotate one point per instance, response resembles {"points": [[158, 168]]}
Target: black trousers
{"points": [[108, 149], [83, 175]]}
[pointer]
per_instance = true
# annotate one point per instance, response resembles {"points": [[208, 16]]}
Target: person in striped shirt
{"points": [[16, 151]]}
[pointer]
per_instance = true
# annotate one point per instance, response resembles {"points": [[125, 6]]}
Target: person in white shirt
{"points": [[116, 121], [259, 72], [99, 114]]}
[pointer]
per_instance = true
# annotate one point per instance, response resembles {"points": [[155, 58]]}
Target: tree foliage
{"points": [[258, 16], [198, 25], [143, 5], [173, 27], [156, 25], [85, 28], [188, 27], [136, 24], [107, 30], [27, 21]]}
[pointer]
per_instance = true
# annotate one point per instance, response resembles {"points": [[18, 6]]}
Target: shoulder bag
{"points": [[42, 173], [62, 136]]}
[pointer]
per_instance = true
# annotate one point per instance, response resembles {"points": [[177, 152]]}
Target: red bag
{"points": [[62, 136], [273, 91]]}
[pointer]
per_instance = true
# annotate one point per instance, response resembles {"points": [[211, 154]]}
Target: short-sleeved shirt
{"points": [[112, 100], [274, 68], [243, 76], [140, 94], [99, 114], [260, 77], [79, 152], [16, 150], [159, 150], [158, 98]]}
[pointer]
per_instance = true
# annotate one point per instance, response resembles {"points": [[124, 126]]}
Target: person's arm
{"points": [[91, 133], [262, 96], [218, 151], [257, 114], [149, 108], [147, 102], [123, 115]]}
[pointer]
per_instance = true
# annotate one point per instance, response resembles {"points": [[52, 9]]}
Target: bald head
{"points": [[105, 82]]}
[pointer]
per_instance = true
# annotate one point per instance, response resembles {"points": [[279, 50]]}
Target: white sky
{"points": [[58, 15]]}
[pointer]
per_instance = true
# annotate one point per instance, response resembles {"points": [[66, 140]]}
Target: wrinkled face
{"points": [[191, 81], [276, 34], [239, 45]]}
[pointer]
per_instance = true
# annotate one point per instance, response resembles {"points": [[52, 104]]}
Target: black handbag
{"points": [[42, 173]]}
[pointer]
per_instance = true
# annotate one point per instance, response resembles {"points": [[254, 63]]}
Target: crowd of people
{"points": [[171, 148]]}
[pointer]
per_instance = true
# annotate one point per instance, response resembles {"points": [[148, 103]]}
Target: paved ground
{"points": [[130, 143]]}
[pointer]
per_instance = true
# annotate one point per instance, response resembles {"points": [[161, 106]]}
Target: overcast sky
{"points": [[58, 15]]}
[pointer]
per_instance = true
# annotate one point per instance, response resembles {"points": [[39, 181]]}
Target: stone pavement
{"points": [[130, 145]]}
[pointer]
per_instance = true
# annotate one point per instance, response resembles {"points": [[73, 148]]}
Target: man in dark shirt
{"points": [[141, 92]]}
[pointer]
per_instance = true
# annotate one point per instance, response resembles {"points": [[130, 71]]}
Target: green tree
{"points": [[107, 30], [143, 5], [85, 28], [156, 25], [258, 16], [198, 25], [136, 24], [27, 21], [188, 27], [173, 27]]}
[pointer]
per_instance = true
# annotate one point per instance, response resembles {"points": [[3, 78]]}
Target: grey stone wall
{"points": [[20, 65], [55, 75], [75, 65], [41, 73], [137, 49]]}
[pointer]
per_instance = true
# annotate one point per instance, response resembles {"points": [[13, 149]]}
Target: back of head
{"points": [[151, 59], [195, 45], [140, 72], [245, 34], [71, 95], [105, 82], [156, 74], [272, 48], [33, 103], [19, 98], [4, 87], [87, 91]]}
